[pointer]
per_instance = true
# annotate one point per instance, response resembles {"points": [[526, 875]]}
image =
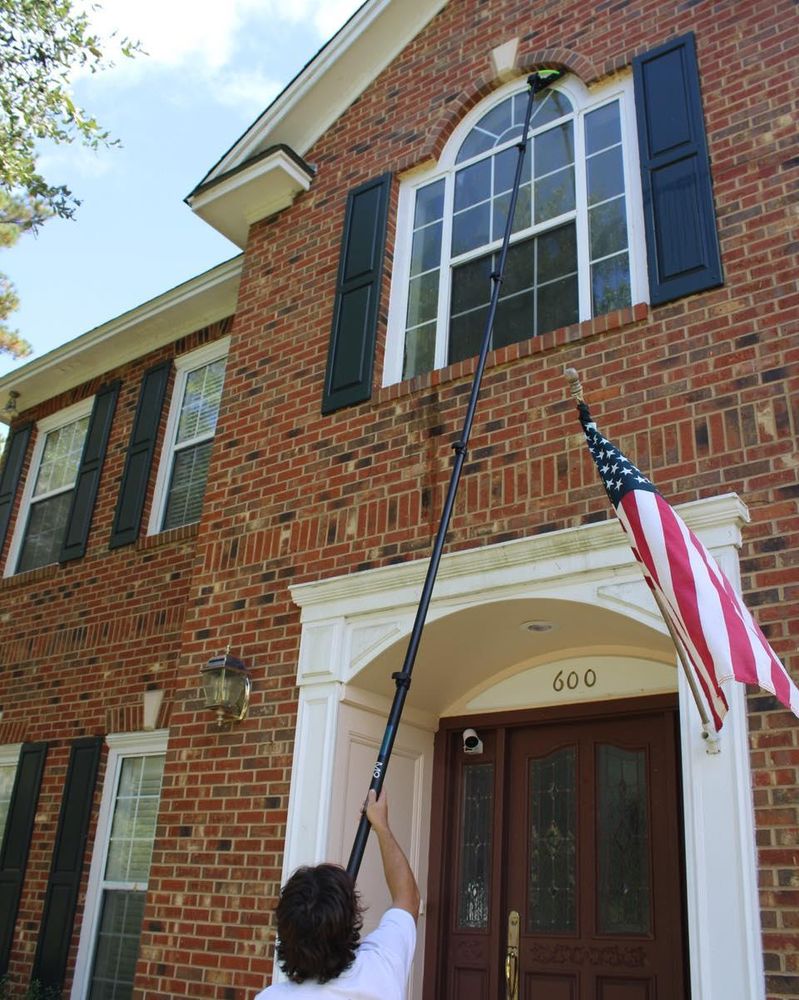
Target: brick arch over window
{"points": [[480, 88]]}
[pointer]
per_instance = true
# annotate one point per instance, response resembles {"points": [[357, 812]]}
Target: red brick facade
{"points": [[703, 392]]}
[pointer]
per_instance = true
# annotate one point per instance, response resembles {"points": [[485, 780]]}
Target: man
{"points": [[319, 923]]}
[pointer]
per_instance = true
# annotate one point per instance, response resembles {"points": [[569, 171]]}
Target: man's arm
{"points": [[399, 877]]}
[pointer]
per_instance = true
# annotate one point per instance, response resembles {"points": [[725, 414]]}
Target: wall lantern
{"points": [[226, 683]]}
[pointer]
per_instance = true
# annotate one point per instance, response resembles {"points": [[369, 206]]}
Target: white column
{"points": [[723, 909]]}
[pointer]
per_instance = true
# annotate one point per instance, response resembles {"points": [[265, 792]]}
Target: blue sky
{"points": [[211, 68]]}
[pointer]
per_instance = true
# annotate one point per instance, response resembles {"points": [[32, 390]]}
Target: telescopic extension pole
{"points": [[537, 82]]}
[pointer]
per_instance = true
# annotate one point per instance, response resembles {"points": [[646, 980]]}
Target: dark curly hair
{"points": [[318, 923]]}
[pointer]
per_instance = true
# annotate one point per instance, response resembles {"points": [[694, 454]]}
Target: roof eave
{"points": [[196, 303]]}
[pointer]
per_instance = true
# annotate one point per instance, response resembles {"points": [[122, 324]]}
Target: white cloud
{"points": [[207, 33], [249, 90]]}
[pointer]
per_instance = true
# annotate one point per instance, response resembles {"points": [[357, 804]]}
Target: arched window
{"points": [[571, 254]]}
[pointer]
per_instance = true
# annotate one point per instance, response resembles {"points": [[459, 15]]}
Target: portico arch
{"points": [[479, 654]]}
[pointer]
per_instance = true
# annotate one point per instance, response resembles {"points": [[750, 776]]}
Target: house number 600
{"points": [[573, 680]]}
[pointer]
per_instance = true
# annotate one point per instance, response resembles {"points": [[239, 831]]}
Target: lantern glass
{"points": [[226, 684]]}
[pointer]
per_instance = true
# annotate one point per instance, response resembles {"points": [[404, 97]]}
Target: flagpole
{"points": [[708, 730]]}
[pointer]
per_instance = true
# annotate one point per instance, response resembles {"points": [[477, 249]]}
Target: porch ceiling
{"points": [[462, 651]]}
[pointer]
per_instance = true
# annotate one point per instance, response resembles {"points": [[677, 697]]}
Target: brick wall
{"points": [[702, 392]]}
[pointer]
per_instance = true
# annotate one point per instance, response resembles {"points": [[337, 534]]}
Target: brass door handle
{"points": [[512, 957]]}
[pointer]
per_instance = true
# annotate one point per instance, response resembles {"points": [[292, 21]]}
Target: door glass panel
{"points": [[552, 846], [477, 821], [623, 890]]}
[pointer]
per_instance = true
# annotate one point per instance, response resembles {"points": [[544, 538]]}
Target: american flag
{"points": [[720, 638]]}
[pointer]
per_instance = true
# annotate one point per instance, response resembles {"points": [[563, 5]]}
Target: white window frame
{"points": [[619, 88], [43, 427], [184, 365], [120, 747], [9, 757]]}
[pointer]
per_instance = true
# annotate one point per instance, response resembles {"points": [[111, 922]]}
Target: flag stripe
{"points": [[721, 639], [640, 511]]}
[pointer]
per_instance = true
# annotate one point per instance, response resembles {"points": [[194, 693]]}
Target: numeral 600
{"points": [[573, 680]]}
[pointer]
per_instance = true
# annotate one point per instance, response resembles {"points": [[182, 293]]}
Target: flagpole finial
{"points": [[575, 386]]}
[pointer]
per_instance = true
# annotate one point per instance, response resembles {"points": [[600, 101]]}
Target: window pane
{"points": [[557, 305], [135, 812], [117, 945], [7, 774], [554, 149], [466, 334], [521, 217], [187, 489], [549, 105], [470, 229], [610, 284], [472, 184], [474, 143], [477, 822], [553, 843], [499, 119], [605, 175], [607, 225], [602, 128], [61, 457], [426, 252], [201, 400], [420, 350], [557, 253], [471, 285], [623, 889], [429, 204], [554, 195], [422, 299], [44, 534], [515, 319], [519, 268]]}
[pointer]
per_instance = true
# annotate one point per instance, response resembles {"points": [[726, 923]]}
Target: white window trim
{"points": [[184, 365], [619, 88], [120, 746], [43, 428]]}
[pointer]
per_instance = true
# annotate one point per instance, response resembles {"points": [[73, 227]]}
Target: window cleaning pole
{"points": [[536, 82]]}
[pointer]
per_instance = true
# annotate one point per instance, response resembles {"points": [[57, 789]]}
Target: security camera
{"points": [[471, 742]]}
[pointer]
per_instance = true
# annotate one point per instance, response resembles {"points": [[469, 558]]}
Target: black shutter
{"points": [[141, 448], [12, 469], [680, 221], [350, 358], [61, 898], [17, 841], [91, 465]]}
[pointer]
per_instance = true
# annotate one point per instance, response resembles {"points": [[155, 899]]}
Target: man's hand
{"points": [[377, 809]]}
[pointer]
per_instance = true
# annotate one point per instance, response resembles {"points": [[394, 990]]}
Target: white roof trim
{"points": [[208, 298], [255, 191]]}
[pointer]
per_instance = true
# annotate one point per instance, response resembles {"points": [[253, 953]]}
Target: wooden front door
{"points": [[560, 873]]}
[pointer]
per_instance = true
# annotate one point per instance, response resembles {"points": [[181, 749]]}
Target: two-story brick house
{"points": [[257, 461]]}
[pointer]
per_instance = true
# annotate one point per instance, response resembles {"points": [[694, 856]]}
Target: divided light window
{"points": [[46, 501], [109, 944], [570, 253], [190, 434]]}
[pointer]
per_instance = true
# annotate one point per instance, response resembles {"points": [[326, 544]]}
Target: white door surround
{"points": [[601, 637]]}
